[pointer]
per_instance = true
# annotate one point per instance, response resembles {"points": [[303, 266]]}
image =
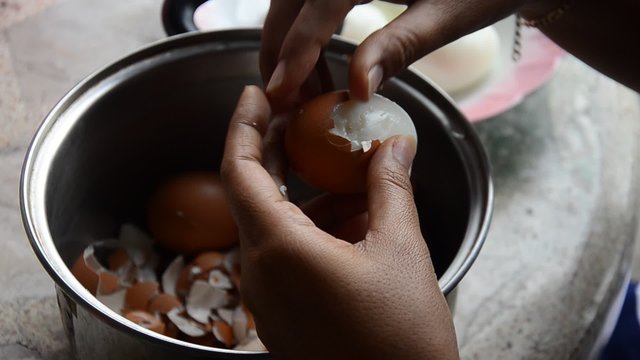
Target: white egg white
{"points": [[463, 63], [362, 123]]}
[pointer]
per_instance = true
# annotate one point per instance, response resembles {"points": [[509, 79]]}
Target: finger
{"points": [[319, 82], [256, 202], [424, 27], [311, 30], [328, 210], [281, 15], [275, 162], [248, 184], [392, 210]]}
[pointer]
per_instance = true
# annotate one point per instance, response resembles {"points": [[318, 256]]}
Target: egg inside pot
{"points": [[189, 213], [330, 142]]}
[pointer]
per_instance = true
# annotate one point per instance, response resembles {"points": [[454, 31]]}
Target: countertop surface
{"points": [[564, 163]]}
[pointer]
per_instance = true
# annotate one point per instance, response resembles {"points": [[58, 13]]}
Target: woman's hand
{"points": [[370, 295], [296, 30]]}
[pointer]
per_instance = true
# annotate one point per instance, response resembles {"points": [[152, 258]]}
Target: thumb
{"points": [[392, 208]]}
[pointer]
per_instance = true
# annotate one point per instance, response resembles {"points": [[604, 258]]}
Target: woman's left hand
{"points": [[369, 294]]}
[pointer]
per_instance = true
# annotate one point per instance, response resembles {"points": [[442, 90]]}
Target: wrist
{"points": [[538, 8], [539, 13]]}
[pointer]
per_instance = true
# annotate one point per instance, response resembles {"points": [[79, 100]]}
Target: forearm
{"points": [[605, 35]]}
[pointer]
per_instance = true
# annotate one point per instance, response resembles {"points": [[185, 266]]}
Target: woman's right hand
{"points": [[295, 31], [342, 294]]}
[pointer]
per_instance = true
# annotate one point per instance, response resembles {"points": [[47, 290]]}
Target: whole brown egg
{"points": [[189, 214]]}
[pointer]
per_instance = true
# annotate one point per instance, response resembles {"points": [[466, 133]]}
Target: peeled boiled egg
{"points": [[365, 19], [361, 22], [455, 67], [390, 10], [189, 214], [463, 63], [230, 14], [331, 140]]}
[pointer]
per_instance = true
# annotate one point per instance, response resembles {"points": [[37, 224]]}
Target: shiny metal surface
{"points": [[164, 109]]}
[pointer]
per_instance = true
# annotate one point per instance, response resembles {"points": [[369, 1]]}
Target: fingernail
{"points": [[276, 78], [404, 151], [375, 78]]}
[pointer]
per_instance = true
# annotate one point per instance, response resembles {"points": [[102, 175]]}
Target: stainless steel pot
{"points": [[164, 109]]}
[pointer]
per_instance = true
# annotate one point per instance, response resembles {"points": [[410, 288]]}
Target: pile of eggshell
{"points": [[196, 301]]}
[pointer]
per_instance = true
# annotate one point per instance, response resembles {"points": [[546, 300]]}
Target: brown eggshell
{"points": [[117, 259], [184, 281], [189, 214], [163, 303], [187, 277], [322, 159], [146, 320], [108, 283], [139, 295], [223, 333], [208, 260], [85, 274]]}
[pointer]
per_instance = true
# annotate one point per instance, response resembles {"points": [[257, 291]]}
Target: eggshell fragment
{"points": [[118, 259], [171, 275], [240, 323], [108, 283], [138, 295], [146, 320], [210, 313], [251, 343], [202, 298], [188, 274], [187, 326], [226, 315], [86, 269], [146, 274], [87, 276], [114, 301], [139, 243], [208, 260], [220, 280], [223, 333], [163, 303]]}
